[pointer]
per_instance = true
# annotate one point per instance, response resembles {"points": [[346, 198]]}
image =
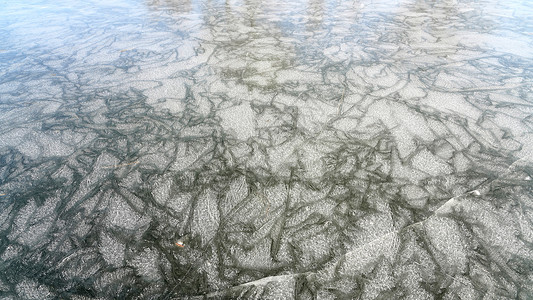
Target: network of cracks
{"points": [[266, 150]]}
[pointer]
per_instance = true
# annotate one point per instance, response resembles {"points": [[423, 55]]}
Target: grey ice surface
{"points": [[248, 149]]}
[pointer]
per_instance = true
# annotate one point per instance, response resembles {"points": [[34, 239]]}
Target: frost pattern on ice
{"points": [[266, 150]]}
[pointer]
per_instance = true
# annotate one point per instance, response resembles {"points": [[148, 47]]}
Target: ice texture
{"points": [[266, 149]]}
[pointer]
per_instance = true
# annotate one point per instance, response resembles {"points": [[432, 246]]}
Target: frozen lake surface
{"points": [[266, 149]]}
